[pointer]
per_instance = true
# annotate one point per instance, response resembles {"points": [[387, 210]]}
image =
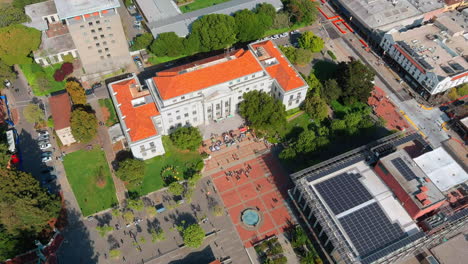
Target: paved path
{"points": [[106, 145], [296, 115]]}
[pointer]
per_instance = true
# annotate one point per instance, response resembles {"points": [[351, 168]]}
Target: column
{"points": [[321, 232], [316, 223], [304, 207], [326, 242], [294, 191], [300, 198], [310, 214]]}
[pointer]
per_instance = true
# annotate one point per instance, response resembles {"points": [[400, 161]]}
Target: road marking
{"points": [[412, 123], [443, 125], [425, 108]]}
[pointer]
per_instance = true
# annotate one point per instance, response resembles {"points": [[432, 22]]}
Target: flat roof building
{"points": [[60, 107], [417, 194], [433, 55], [72, 8], [442, 169], [164, 15]]}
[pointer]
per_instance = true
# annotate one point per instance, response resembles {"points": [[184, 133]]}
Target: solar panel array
{"points": [[369, 229], [404, 169], [343, 192]]}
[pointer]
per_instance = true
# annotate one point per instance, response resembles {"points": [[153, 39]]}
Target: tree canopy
{"points": [[11, 15], [6, 72], [215, 31], [187, 138], [281, 21], [17, 42], [303, 11], [249, 25], [176, 188], [143, 41], [83, 125], [308, 40], [20, 4], [76, 92], [330, 90], [33, 113], [193, 236], [131, 171], [315, 85], [262, 111], [316, 107], [303, 56], [26, 209], [167, 44], [355, 80]]}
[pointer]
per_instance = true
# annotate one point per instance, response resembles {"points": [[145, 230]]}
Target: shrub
{"points": [[103, 230], [65, 69], [114, 253], [331, 54]]}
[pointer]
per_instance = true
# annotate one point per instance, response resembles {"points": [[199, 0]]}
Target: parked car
{"points": [[44, 146], [138, 62], [89, 91], [46, 159], [42, 133], [43, 138], [96, 85], [285, 34], [137, 23], [7, 83]]}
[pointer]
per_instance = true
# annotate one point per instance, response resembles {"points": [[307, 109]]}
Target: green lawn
{"points": [[199, 4], [295, 126], [152, 180], [33, 72], [282, 30], [82, 168], [157, 60], [107, 103]]}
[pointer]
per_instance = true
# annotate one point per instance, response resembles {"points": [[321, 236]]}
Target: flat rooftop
{"points": [[37, 11], [412, 179], [426, 6], [71, 8], [55, 45], [162, 18], [434, 48], [363, 209], [442, 169], [453, 251], [379, 13]]}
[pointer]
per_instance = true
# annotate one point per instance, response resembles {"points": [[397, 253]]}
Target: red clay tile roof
{"points": [[283, 72], [137, 119], [170, 83], [60, 107]]}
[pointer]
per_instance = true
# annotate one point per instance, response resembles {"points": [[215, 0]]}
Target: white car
{"points": [[44, 146], [42, 133], [46, 159], [284, 35]]}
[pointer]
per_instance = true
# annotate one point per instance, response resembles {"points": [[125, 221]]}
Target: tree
{"points": [[266, 14], [290, 53], [12, 15], [143, 41], [316, 107], [191, 45], [187, 138], [17, 42], [25, 206], [249, 26], [167, 44], [281, 21], [131, 171], [193, 236], [135, 204], [314, 84], [103, 230], [114, 253], [176, 188], [128, 216], [330, 90], [6, 72], [20, 4], [76, 92], [356, 80], [215, 31], [262, 111], [83, 125], [33, 113], [65, 69], [303, 11], [157, 235], [308, 40], [303, 56]]}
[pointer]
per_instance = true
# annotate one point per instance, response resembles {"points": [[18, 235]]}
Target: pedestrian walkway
{"points": [[107, 147]]}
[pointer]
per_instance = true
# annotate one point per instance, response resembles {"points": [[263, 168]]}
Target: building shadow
{"points": [[205, 255], [77, 247]]}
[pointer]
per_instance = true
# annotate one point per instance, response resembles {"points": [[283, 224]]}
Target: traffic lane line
{"points": [[412, 123]]}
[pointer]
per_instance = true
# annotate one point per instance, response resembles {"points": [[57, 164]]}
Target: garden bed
{"points": [[270, 251], [35, 73], [108, 111], [192, 5]]}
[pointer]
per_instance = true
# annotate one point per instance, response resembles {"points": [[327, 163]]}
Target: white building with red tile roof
{"points": [[203, 92]]}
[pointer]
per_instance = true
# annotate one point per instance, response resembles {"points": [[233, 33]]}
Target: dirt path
{"points": [[296, 115]]}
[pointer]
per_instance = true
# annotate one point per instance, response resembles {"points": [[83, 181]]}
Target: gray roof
{"points": [[379, 13], [426, 6], [55, 45], [37, 11], [180, 23], [71, 8], [158, 9]]}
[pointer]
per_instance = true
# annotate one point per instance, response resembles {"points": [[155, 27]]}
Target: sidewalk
{"points": [[106, 145]]}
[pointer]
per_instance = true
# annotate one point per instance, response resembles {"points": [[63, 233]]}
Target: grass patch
{"points": [[152, 180], [282, 30], [83, 168], [157, 60], [341, 110], [292, 112], [107, 103], [332, 55], [33, 72], [199, 4]]}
